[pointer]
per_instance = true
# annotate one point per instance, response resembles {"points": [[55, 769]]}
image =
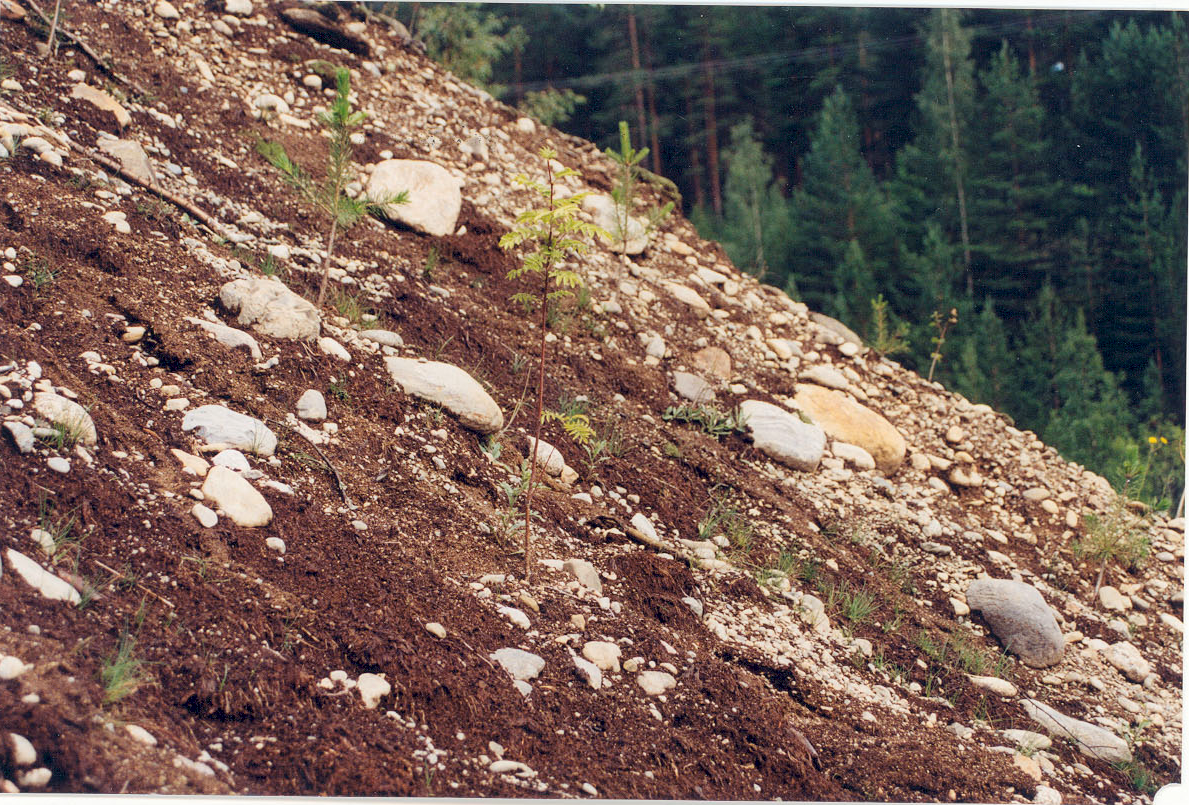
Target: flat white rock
{"points": [[654, 683], [229, 336], [435, 195], [1090, 739], [603, 654], [311, 405], [586, 573], [783, 436], [216, 424], [238, 499], [520, 664], [450, 387], [271, 308], [40, 579], [66, 413]]}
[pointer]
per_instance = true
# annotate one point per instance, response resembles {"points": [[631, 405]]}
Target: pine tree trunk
{"points": [[695, 160], [642, 127], [958, 178], [711, 129]]}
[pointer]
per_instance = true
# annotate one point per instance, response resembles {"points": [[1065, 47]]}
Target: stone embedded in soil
{"points": [[58, 464], [21, 435], [516, 616], [826, 376], [435, 195], [654, 683], [204, 515], [687, 295], [450, 387], [836, 327], [849, 421], [334, 349], [372, 688], [603, 210], [1113, 600], [385, 338], [603, 654], [590, 673], [993, 684], [586, 573], [229, 336], [275, 544], [131, 156], [216, 424], [232, 459], [271, 308], [854, 455], [12, 667], [1046, 796], [521, 664], [1126, 657], [191, 464], [141, 734], [436, 629], [238, 499], [67, 414], [1020, 618], [1026, 739], [693, 388], [40, 579], [547, 456], [783, 436], [311, 406], [1090, 739], [103, 102], [713, 361], [23, 753]]}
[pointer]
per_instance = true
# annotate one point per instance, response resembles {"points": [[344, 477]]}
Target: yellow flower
{"points": [[1151, 440], [1163, 440]]}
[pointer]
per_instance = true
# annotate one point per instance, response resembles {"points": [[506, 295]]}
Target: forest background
{"points": [[1021, 171]]}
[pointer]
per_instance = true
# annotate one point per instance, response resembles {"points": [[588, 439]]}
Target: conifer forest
{"points": [[996, 198]]}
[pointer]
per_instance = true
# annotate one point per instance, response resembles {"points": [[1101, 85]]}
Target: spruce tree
{"points": [[755, 210]]}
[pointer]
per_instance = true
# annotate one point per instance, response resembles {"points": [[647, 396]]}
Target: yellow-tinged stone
{"points": [[852, 422]]}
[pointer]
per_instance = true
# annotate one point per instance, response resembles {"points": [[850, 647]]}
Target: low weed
{"points": [[726, 520], [431, 264], [122, 673], [1141, 779], [857, 605], [39, 273], [707, 417], [349, 307]]}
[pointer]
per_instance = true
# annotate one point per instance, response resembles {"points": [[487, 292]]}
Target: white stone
{"points": [[1090, 739], [687, 295], [589, 672], [1046, 796], [783, 436], [385, 338], [525, 125], [238, 499], [141, 734], [240, 8], [191, 464], [229, 336], [436, 629], [204, 515], [520, 664], [1126, 657], [232, 459], [693, 388], [547, 457], [435, 195], [23, 753], [58, 464], [604, 211], [165, 10], [334, 349], [67, 414], [216, 424], [21, 435], [654, 683], [516, 616], [1113, 600], [35, 778], [372, 688], [853, 454], [826, 376], [993, 684], [1020, 618], [586, 574], [37, 577], [311, 405], [12, 667], [603, 654], [271, 308], [450, 387], [275, 544]]}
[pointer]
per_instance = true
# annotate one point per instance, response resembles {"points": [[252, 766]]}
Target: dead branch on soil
{"points": [[335, 473], [174, 199], [83, 46], [137, 584]]}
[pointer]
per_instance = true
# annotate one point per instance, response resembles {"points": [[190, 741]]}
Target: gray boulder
{"points": [[783, 436], [1020, 618], [1090, 739], [449, 387], [271, 308], [435, 196]]}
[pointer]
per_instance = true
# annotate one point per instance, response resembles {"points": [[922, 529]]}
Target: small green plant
{"points": [[40, 273], [269, 266], [857, 605], [1141, 779], [492, 446], [122, 673], [60, 528], [707, 417], [941, 324], [338, 390], [431, 264], [886, 340], [603, 446], [672, 451], [1115, 536], [330, 197], [726, 520], [623, 193], [555, 230], [349, 307]]}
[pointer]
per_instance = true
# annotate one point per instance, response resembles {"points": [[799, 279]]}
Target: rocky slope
{"points": [[254, 547]]}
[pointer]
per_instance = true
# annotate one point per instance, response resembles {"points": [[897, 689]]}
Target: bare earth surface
{"points": [[807, 629]]}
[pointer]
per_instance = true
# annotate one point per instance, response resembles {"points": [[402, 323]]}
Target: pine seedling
{"points": [[942, 325], [624, 193], [887, 340], [555, 230], [330, 196]]}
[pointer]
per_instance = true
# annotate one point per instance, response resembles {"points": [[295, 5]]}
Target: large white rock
{"points": [[602, 209], [603, 654], [449, 387], [1090, 739], [435, 196], [238, 499], [849, 421], [372, 688], [229, 336], [131, 156], [311, 405], [216, 424], [40, 579], [1020, 618], [782, 435], [520, 664], [655, 683], [67, 413], [271, 308]]}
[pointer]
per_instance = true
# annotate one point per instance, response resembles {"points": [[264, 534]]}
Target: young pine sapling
{"points": [[555, 230], [623, 194], [330, 196]]}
